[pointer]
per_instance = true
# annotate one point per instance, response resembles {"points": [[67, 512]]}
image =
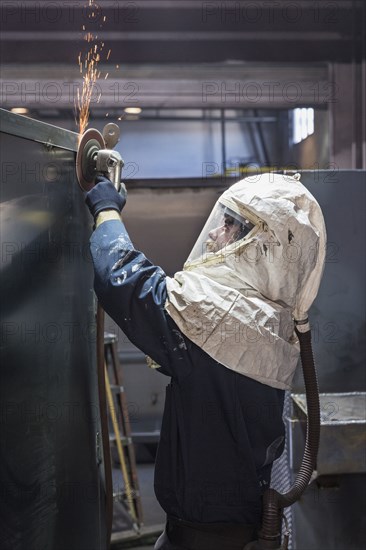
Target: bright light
{"points": [[132, 110], [20, 110], [303, 124], [297, 125], [311, 121]]}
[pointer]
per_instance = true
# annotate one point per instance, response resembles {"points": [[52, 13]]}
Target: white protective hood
{"points": [[239, 304]]}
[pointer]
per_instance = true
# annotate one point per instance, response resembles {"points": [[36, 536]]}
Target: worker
{"points": [[222, 330]]}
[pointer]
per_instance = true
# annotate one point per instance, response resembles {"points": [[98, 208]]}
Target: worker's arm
{"points": [[105, 216], [133, 292]]}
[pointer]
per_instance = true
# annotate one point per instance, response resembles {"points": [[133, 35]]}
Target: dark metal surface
{"points": [[52, 491], [338, 314], [35, 130]]}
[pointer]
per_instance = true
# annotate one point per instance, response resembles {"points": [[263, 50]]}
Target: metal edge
{"points": [[339, 393], [35, 130], [298, 397]]}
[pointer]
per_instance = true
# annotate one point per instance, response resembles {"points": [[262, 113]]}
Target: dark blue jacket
{"points": [[220, 430]]}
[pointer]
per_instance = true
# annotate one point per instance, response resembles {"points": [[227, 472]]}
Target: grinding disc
{"points": [[91, 142]]}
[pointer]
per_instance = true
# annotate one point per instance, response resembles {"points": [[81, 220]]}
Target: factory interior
{"points": [[194, 96]]}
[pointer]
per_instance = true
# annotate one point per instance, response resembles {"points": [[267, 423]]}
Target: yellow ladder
{"points": [[119, 416]]}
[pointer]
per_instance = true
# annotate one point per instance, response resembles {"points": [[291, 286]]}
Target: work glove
{"points": [[104, 196]]}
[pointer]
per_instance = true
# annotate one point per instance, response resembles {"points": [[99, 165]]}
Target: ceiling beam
{"points": [[236, 86], [184, 31]]}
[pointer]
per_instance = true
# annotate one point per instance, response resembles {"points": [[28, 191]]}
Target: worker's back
{"points": [[221, 432]]}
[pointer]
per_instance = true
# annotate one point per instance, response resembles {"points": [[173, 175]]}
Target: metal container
{"points": [[342, 433], [331, 513], [52, 493]]}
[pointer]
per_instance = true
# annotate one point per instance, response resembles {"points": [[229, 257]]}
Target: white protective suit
{"points": [[239, 303]]}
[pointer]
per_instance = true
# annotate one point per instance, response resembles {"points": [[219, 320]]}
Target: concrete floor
{"points": [[153, 514]]}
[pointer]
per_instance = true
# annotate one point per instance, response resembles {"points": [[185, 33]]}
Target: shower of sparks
{"points": [[89, 69]]}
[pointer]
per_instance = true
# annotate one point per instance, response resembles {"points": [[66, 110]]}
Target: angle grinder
{"points": [[96, 156]]}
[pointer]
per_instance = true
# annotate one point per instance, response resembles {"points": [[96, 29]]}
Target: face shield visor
{"points": [[220, 235]]}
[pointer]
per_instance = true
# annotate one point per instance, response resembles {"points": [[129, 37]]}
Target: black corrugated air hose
{"points": [[273, 501]]}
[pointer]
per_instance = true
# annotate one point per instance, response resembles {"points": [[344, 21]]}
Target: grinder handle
{"points": [[109, 163]]}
